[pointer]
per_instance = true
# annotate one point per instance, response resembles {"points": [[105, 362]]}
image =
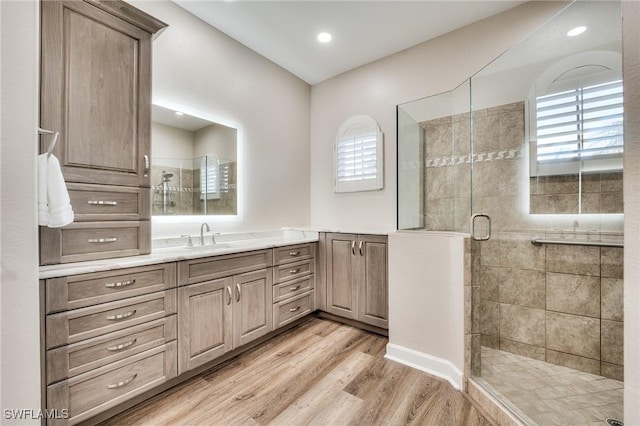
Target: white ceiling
{"points": [[363, 31]]}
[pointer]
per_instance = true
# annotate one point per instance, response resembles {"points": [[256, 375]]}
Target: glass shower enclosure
{"points": [[526, 157]]}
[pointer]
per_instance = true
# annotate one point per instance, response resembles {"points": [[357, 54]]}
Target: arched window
{"points": [[358, 155], [578, 116]]}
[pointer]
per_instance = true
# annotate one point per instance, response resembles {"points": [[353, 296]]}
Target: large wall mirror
{"points": [[195, 165]]}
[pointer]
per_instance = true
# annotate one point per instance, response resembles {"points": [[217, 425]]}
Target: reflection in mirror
{"points": [[194, 167]]}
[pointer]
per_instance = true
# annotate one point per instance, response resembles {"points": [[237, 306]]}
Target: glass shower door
{"points": [[545, 338]]}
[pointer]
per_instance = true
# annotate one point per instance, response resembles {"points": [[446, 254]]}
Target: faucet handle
{"points": [[213, 237], [189, 240]]}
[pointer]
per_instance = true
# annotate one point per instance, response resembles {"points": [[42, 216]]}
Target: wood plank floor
{"points": [[319, 373]]}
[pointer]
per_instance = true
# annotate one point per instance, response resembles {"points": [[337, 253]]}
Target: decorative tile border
{"points": [[482, 157]]}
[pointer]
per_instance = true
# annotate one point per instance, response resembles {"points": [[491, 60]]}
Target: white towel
{"points": [[54, 206]]}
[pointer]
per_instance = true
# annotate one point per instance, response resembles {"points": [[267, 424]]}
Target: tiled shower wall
{"points": [[562, 304]]}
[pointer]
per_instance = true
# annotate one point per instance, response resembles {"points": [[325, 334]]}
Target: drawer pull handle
{"points": [[121, 346], [120, 284], [238, 292], [102, 203], [229, 292], [103, 240], [353, 247], [294, 309], [121, 316], [294, 271], [294, 288], [122, 383], [360, 248], [294, 253], [147, 166]]}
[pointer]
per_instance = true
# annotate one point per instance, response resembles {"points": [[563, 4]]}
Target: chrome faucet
{"points": [[205, 224]]}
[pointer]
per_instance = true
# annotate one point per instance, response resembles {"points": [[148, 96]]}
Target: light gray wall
{"points": [[199, 67], [19, 313]]}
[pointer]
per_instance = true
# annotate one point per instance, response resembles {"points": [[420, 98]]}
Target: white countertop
{"points": [[164, 251]]}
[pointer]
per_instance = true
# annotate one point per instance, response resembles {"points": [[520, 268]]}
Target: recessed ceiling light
{"points": [[324, 37], [576, 31], [178, 113]]}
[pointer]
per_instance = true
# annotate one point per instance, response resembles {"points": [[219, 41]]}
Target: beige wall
{"points": [[198, 67], [20, 347]]}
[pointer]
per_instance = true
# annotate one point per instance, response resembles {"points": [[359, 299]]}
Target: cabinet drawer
{"points": [[294, 253], [292, 288], [291, 271], [211, 268], [82, 241], [78, 291], [91, 393], [292, 309], [71, 360], [104, 202], [84, 323]]}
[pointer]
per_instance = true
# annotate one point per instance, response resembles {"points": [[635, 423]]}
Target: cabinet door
{"points": [[373, 303], [341, 282], [252, 310], [96, 92], [204, 322]]}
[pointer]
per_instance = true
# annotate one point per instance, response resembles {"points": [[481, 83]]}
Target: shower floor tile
{"points": [[547, 394]]}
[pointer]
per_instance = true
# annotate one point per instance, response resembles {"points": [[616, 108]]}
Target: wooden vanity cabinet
{"points": [[357, 277], [96, 92], [293, 283], [107, 337], [230, 307]]}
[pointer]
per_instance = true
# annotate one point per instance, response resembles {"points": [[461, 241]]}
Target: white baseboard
{"points": [[424, 362]]}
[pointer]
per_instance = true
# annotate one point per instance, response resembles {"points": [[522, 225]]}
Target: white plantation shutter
{"points": [[580, 130], [358, 156], [209, 178]]}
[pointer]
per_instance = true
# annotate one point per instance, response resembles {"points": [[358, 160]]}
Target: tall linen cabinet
{"points": [[96, 92]]}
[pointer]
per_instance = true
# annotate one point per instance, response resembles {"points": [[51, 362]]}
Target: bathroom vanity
{"points": [[121, 322], [118, 331]]}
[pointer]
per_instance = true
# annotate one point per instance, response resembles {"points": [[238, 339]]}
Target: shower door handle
{"points": [[474, 218]]}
